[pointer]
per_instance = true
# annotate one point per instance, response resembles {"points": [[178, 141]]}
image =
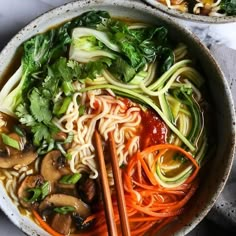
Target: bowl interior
{"points": [[217, 169], [189, 16]]}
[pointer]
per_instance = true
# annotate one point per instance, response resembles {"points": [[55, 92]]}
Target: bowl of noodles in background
{"points": [[202, 11], [127, 71]]}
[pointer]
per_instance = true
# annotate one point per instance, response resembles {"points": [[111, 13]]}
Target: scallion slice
{"points": [[64, 210], [70, 179], [10, 141]]}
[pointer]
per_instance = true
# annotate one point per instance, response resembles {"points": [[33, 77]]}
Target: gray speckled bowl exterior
{"points": [[217, 169], [189, 16]]}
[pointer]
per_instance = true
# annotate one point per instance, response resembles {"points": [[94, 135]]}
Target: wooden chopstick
{"points": [[124, 223], [110, 219]]}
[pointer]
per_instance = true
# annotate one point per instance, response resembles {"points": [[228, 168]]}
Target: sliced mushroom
{"points": [[10, 157], [53, 166], [31, 181], [60, 200], [66, 189], [23, 158], [62, 223], [6, 122], [87, 189]]}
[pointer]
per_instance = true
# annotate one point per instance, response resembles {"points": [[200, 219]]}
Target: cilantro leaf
{"points": [[41, 132], [25, 118], [94, 68], [64, 70], [40, 107]]}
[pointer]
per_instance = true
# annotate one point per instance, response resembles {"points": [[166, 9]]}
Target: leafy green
{"points": [[25, 117], [38, 51], [88, 43], [49, 85], [60, 107], [41, 132], [94, 68], [122, 70], [229, 7], [40, 106], [93, 19], [128, 49], [140, 46], [166, 59], [64, 70]]}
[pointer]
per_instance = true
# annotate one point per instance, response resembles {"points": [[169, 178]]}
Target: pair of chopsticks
{"points": [[110, 219]]}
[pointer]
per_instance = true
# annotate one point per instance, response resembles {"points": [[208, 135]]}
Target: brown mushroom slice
{"points": [[87, 189], [10, 156], [52, 168], [60, 200], [30, 181], [62, 223], [6, 122], [23, 158], [69, 189]]}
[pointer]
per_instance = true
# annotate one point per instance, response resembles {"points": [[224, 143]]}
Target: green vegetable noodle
{"points": [[130, 82]]}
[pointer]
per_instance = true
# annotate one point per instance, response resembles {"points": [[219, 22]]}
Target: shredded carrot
{"points": [[142, 219], [89, 218], [139, 171], [149, 205], [147, 171], [161, 153]]}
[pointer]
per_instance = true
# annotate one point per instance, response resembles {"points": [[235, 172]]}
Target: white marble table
{"points": [[221, 39]]}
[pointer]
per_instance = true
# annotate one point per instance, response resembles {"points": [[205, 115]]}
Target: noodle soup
{"points": [[212, 8], [124, 78]]}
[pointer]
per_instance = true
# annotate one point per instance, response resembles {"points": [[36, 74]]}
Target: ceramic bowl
{"points": [[190, 16], [220, 165]]}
